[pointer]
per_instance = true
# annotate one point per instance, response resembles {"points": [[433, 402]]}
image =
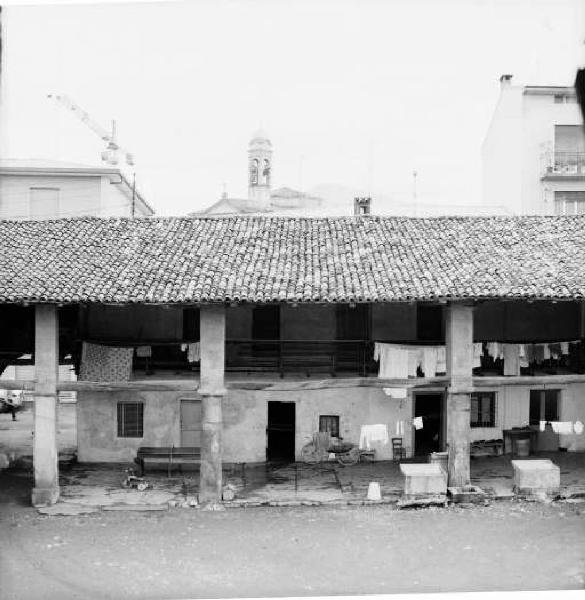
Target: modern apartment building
{"points": [[533, 156]]}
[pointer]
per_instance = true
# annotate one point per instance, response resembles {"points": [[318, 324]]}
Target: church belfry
{"points": [[259, 168]]}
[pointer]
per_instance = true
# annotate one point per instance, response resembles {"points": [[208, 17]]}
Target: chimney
{"points": [[505, 80], [362, 206]]}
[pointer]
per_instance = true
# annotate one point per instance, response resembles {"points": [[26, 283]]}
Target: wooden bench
{"points": [[487, 448], [171, 455]]}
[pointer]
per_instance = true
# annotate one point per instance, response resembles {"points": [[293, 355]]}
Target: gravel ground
{"points": [[305, 551]]}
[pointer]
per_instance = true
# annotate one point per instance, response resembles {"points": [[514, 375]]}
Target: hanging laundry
{"points": [[511, 359], [429, 363], [564, 348], [538, 353], [184, 347], [194, 352], [417, 422], [144, 352], [415, 359], [393, 360], [555, 350], [441, 360], [578, 427], [542, 425], [562, 427], [522, 356], [495, 350], [546, 351], [370, 434], [477, 353], [105, 363]]}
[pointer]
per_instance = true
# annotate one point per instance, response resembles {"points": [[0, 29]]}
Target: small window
{"points": [[329, 424], [130, 419], [483, 409], [559, 99]]}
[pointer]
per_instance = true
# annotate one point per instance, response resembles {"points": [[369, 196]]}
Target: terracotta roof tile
{"points": [[271, 259]]}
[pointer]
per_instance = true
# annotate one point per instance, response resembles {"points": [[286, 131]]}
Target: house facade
{"points": [[245, 336], [533, 155], [42, 189]]}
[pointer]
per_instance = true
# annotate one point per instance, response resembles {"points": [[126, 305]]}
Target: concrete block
{"points": [[535, 477], [424, 479]]}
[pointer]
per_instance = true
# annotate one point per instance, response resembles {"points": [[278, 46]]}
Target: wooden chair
{"points": [[398, 450]]}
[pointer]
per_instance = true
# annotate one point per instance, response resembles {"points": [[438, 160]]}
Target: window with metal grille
{"points": [[130, 419], [329, 424], [483, 409]]}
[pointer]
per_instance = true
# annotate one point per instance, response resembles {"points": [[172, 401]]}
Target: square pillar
{"points": [[45, 453], [212, 390], [459, 355]]}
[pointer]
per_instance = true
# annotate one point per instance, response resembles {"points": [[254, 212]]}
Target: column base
{"points": [[45, 496]]}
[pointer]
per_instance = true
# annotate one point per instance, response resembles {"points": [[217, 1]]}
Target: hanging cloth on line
{"points": [[105, 363]]}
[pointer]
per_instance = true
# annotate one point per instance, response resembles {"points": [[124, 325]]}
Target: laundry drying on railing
{"points": [[517, 356], [401, 361]]}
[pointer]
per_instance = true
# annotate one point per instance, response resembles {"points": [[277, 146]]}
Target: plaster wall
{"points": [[244, 420], [78, 196]]}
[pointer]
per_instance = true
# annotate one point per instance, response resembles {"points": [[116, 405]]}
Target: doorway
{"points": [[429, 438], [190, 423], [280, 433]]}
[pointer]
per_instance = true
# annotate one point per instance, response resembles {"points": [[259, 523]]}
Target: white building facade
{"points": [[533, 156], [40, 189]]}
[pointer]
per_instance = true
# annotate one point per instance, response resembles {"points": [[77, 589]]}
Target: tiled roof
{"points": [[268, 259]]}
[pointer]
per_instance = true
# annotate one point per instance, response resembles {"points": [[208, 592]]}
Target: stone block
{"points": [[533, 477], [424, 479]]}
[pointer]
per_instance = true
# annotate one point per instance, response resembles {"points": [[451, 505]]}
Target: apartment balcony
{"points": [[564, 165]]}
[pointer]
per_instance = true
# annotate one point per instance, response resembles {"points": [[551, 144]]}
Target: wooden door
{"points": [[191, 423]]}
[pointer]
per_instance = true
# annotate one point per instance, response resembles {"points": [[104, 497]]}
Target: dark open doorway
{"points": [[430, 437], [281, 432]]}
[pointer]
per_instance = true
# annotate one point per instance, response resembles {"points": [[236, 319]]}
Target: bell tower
{"points": [[259, 168]]}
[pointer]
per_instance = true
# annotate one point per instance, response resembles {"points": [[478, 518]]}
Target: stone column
{"points": [[212, 390], [459, 348], [45, 453]]}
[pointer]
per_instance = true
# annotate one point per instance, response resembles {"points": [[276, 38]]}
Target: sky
{"points": [[355, 93]]}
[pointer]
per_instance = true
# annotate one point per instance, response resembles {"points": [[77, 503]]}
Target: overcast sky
{"points": [[358, 93]]}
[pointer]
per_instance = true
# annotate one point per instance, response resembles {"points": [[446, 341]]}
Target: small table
{"points": [[511, 436]]}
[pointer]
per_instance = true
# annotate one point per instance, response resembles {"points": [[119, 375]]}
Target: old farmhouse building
{"points": [[246, 335]]}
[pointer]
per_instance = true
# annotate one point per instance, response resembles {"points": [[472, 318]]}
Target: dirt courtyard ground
{"points": [[301, 551]]}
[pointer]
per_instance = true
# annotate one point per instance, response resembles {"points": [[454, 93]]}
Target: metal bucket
{"points": [[523, 447]]}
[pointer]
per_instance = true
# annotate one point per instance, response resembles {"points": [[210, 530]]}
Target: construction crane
{"points": [[111, 155]]}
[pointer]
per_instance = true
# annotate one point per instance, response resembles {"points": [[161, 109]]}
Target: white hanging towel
{"points": [[370, 434], [477, 352], [393, 360], [522, 356], [562, 427], [578, 427], [542, 425], [511, 359], [565, 348], [418, 422], [429, 365], [194, 352]]}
